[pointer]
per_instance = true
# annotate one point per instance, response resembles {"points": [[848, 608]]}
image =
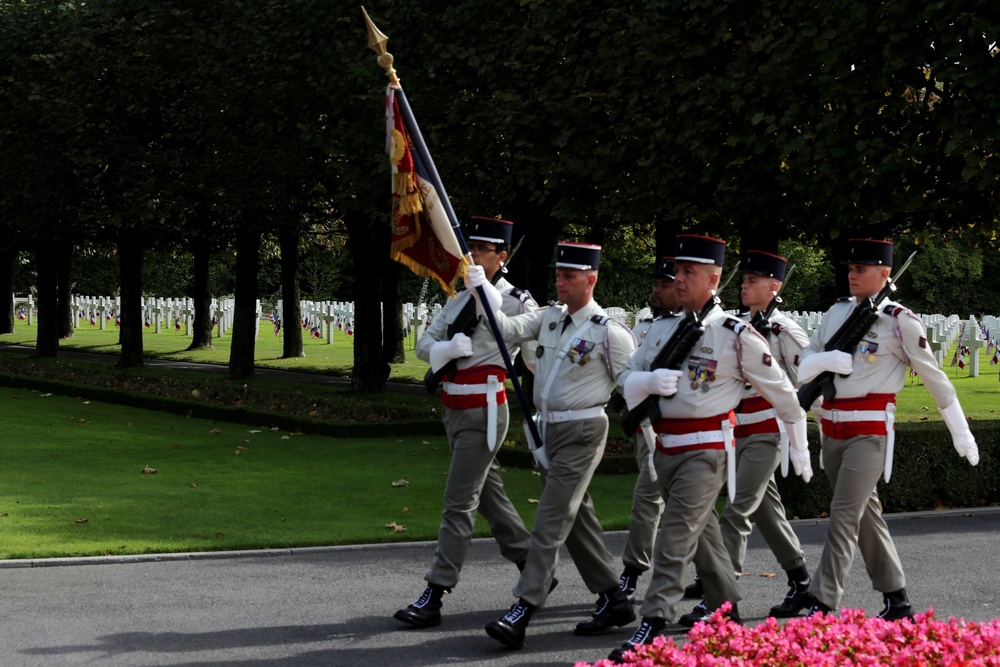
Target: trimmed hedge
{"points": [[236, 415], [927, 472]]}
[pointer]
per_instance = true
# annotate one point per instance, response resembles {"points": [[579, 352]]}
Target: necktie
{"points": [[566, 323]]}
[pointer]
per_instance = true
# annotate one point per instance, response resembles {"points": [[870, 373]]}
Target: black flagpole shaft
{"points": [[424, 155]]}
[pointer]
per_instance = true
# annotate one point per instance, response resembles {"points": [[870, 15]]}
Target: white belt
{"points": [[837, 416], [744, 418], [455, 389], [491, 388], [670, 440], [556, 416]]}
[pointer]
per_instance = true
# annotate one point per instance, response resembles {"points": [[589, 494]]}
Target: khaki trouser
{"points": [[647, 506], [689, 530], [473, 485], [853, 467], [566, 514], [757, 457]]}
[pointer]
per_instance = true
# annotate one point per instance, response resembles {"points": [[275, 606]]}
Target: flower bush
{"points": [[825, 640]]}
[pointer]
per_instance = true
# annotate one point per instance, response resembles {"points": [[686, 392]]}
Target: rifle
{"points": [[671, 356], [762, 320], [466, 323], [847, 338]]}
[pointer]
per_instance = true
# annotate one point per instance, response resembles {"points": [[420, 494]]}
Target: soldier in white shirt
{"points": [[695, 432], [858, 427], [759, 436], [475, 416], [580, 351], [647, 504]]}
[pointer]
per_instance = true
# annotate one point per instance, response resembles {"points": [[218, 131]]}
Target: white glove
{"points": [[640, 384], [798, 449], [663, 382], [444, 351], [834, 361], [961, 436], [476, 277]]}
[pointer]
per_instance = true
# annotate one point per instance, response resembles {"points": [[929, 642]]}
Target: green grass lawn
{"points": [[72, 484]]}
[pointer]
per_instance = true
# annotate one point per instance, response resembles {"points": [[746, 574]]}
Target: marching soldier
{"points": [[759, 436], [647, 505], [580, 350], [858, 428], [475, 416], [695, 433]]}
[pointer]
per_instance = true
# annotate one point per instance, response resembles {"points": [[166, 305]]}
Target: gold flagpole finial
{"points": [[376, 42]]}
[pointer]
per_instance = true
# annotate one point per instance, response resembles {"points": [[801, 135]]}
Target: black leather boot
{"points": [[818, 607], [695, 591], [614, 610], [510, 629], [701, 613], [798, 597], [649, 629], [628, 580], [426, 611], [897, 606]]}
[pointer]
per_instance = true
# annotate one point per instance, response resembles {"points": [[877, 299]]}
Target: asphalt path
{"points": [[334, 606]]}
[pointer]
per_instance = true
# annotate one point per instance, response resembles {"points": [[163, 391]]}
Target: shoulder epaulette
{"points": [[893, 310], [737, 326], [600, 319]]}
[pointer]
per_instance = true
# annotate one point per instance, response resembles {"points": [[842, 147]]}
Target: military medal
{"points": [[867, 349]]}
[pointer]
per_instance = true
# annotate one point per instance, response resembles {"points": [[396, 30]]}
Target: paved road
{"points": [[333, 606]]}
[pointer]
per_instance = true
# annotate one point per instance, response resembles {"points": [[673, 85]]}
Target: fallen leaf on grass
{"points": [[148, 471], [193, 485], [86, 402], [286, 437], [81, 521], [532, 501], [275, 428], [49, 394], [400, 482], [395, 527], [215, 431], [219, 536], [254, 431]]}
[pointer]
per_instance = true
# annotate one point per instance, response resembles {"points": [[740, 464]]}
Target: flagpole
{"points": [[377, 42]]}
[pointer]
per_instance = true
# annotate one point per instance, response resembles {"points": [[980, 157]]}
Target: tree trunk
{"points": [[368, 248], [241, 355], [64, 288], [202, 329], [7, 256], [47, 342], [291, 296], [392, 313], [130, 252]]}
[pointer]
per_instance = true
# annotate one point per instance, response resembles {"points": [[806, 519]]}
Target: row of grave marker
{"points": [[324, 318]]}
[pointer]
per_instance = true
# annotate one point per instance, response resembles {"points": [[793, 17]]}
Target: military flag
{"points": [[422, 236]]}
